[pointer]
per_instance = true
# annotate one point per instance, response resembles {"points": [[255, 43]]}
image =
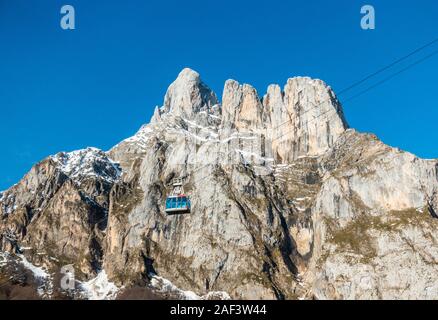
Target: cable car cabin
{"points": [[179, 204]]}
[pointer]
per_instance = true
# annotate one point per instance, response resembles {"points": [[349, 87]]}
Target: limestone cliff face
{"points": [[375, 217], [287, 202], [59, 209], [304, 119]]}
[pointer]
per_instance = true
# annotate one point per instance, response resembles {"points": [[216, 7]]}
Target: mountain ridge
{"points": [[288, 202]]}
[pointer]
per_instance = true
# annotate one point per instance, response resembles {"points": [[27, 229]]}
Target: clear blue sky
{"points": [[94, 86]]}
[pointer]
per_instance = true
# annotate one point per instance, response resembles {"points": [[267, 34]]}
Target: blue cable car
{"points": [[177, 202]]}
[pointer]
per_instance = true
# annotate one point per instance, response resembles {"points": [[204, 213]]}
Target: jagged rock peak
{"points": [[188, 95], [89, 162], [304, 118]]}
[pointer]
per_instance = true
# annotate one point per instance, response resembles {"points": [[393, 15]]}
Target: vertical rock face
{"points": [[60, 208], [242, 107], [287, 202], [376, 220], [305, 119]]}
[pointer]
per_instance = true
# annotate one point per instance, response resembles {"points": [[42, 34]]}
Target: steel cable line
{"points": [[392, 76], [370, 88], [357, 83], [351, 98], [387, 67]]}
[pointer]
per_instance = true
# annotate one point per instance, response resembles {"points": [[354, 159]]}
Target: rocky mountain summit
{"points": [[287, 201]]}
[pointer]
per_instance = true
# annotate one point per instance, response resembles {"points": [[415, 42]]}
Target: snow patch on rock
{"points": [[42, 277], [164, 286], [99, 288], [89, 162]]}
